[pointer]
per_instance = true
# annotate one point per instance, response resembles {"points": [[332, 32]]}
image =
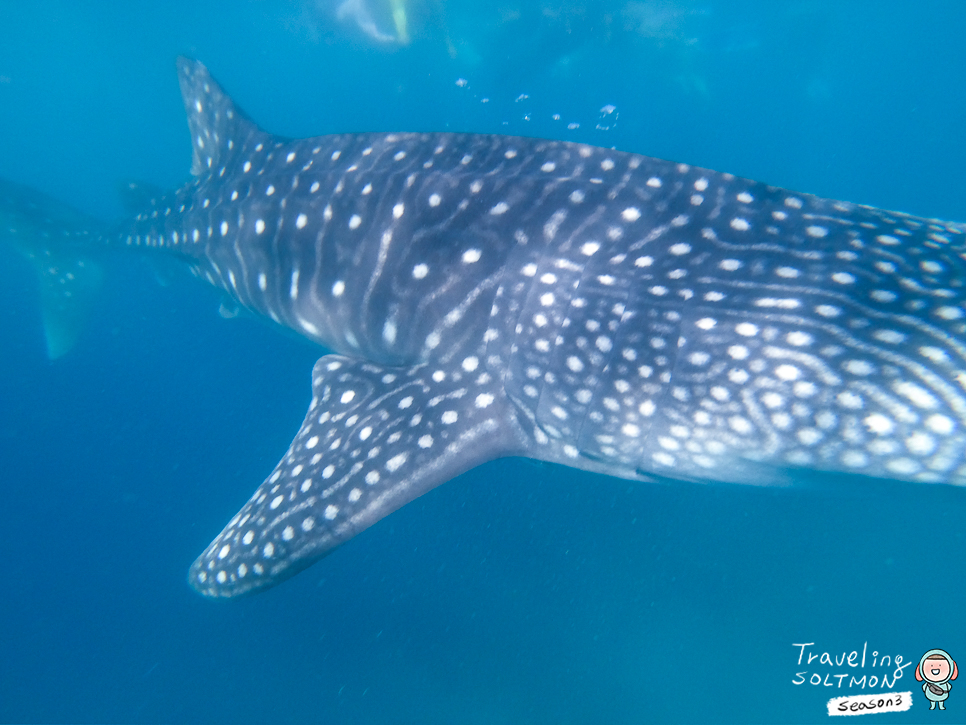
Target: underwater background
{"points": [[519, 592]]}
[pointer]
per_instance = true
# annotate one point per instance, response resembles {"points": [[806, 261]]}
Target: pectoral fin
{"points": [[374, 438]]}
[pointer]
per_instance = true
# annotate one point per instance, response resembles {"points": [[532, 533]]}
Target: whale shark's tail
{"points": [[58, 240]]}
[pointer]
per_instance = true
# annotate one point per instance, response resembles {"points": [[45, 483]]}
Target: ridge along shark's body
{"points": [[491, 296]]}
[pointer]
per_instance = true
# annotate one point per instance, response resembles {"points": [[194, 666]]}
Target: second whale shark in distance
{"points": [[492, 296]]}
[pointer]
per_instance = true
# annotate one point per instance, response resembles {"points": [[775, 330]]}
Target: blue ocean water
{"points": [[519, 592]]}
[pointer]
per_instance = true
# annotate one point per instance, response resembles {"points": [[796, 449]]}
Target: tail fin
{"points": [[54, 237], [218, 127], [58, 239], [68, 288]]}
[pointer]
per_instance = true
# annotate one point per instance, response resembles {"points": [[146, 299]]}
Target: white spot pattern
{"points": [[757, 325]]}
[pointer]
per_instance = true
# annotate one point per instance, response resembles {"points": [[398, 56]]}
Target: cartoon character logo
{"points": [[935, 670]]}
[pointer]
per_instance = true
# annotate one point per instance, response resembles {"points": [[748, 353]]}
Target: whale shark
{"points": [[482, 296]]}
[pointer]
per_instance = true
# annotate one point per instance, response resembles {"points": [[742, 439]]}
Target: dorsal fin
{"points": [[218, 127]]}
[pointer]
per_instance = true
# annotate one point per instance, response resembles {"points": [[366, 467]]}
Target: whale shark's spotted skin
{"points": [[490, 296]]}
